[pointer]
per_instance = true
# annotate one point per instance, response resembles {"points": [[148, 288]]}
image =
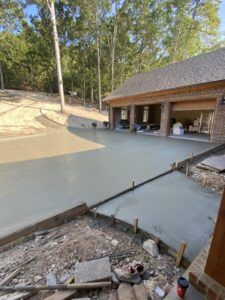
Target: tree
{"points": [[10, 16], [101, 42]]}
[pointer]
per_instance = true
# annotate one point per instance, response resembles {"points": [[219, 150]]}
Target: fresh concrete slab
{"points": [[173, 207], [45, 175]]}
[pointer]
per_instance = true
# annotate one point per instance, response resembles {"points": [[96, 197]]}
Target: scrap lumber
{"points": [[17, 296], [26, 262], [60, 287], [51, 222], [63, 295], [7, 279]]}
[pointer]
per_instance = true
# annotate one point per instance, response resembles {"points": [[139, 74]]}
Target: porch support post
{"points": [[111, 117], [165, 118], [215, 264], [132, 115]]}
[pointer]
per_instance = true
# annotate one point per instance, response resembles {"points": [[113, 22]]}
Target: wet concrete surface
{"points": [[41, 176], [172, 207]]}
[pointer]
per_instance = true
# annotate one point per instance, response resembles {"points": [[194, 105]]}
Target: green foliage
{"points": [[133, 36]]}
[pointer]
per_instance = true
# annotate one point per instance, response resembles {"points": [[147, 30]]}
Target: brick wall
{"points": [[218, 130], [206, 285]]}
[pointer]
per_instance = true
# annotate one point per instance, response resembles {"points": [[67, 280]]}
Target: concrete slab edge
{"points": [[179, 166], [53, 221], [51, 120]]}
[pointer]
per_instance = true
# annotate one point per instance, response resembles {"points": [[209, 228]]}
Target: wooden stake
{"points": [[135, 225], [180, 253], [112, 219], [133, 184], [157, 240], [95, 213], [187, 169], [173, 165], [205, 180]]}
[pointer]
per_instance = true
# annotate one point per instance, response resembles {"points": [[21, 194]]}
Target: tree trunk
{"points": [[57, 52], [91, 84], [50, 85], [1, 77], [84, 88], [99, 75], [98, 58], [113, 48]]}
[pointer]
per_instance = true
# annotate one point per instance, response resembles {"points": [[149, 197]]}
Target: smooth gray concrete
{"points": [[94, 165], [173, 207]]}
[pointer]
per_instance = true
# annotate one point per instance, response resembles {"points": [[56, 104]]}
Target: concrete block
{"points": [[93, 271], [126, 292], [140, 291], [151, 247]]}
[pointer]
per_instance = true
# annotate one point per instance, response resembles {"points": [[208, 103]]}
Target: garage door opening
{"points": [[122, 118], [147, 119], [192, 119], [195, 125]]}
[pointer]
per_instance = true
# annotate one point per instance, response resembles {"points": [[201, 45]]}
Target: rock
{"points": [[115, 243], [94, 270], [140, 291], [151, 247], [126, 292], [37, 278]]}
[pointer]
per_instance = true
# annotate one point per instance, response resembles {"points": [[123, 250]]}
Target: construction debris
{"points": [[93, 271], [82, 249], [64, 287], [209, 179]]}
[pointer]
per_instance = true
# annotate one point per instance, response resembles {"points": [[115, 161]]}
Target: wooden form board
{"points": [[194, 105], [56, 220], [215, 264]]}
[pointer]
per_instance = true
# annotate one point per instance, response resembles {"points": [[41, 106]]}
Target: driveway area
{"points": [[43, 175], [173, 208]]}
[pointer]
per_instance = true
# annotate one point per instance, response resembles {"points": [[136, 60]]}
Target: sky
{"points": [[31, 10], [222, 15]]}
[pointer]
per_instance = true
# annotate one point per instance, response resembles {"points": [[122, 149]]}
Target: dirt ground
{"points": [[28, 113], [212, 180], [209, 179], [83, 239]]}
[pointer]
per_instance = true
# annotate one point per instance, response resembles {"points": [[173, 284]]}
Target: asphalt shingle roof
{"points": [[204, 68]]}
